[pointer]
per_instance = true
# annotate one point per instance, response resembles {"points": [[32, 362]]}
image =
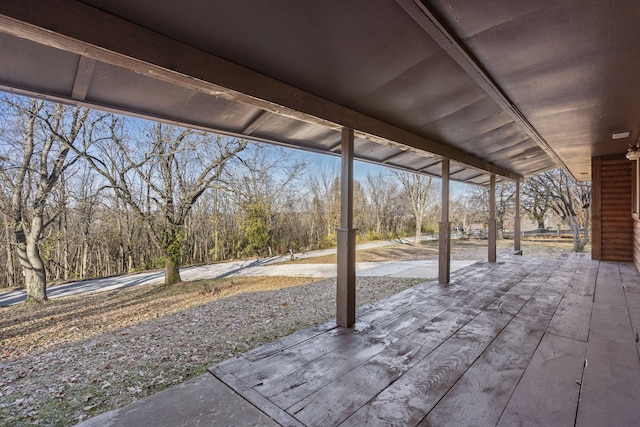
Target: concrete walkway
{"points": [[202, 401]]}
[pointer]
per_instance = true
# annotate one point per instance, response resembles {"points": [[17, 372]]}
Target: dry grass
{"points": [[27, 329], [473, 249]]}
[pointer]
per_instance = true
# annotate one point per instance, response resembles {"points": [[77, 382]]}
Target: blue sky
{"points": [[361, 169]]}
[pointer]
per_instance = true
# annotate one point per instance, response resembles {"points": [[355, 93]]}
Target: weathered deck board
{"points": [[548, 392], [325, 402], [611, 382], [502, 343], [321, 371], [325, 407], [573, 316], [413, 395], [479, 397]]}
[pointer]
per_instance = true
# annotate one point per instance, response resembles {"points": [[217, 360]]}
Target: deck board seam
{"points": [[633, 327], [517, 384], [503, 291], [396, 318], [261, 403]]}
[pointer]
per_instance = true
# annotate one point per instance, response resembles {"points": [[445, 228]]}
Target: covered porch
{"points": [[455, 90], [524, 341]]}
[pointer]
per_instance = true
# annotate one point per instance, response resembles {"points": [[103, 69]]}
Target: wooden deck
{"points": [[525, 341]]}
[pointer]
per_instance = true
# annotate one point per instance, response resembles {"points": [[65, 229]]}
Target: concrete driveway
{"points": [[426, 269]]}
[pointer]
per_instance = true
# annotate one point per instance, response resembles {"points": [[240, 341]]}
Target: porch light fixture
{"points": [[620, 135], [634, 150]]}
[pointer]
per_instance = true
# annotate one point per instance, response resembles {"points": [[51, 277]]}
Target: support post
{"points": [[517, 223], [493, 225], [444, 238], [346, 281]]}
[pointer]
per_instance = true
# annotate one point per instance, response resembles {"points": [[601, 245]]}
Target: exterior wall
{"points": [[636, 241], [613, 233]]}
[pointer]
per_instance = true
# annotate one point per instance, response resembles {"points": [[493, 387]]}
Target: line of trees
{"points": [[90, 194]]}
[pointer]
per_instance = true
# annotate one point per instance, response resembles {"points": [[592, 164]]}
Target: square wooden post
{"points": [[444, 237], [493, 225], [346, 281], [516, 223]]}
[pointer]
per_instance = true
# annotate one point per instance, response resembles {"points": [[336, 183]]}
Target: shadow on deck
{"points": [[525, 341]]}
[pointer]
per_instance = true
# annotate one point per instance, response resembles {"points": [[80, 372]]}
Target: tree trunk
{"points": [[578, 243], [171, 271], [577, 247], [35, 275], [541, 226], [418, 238], [11, 278], [172, 248], [85, 258], [36, 286]]}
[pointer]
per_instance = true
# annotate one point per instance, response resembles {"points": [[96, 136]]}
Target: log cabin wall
{"points": [[636, 241], [635, 199], [615, 234]]}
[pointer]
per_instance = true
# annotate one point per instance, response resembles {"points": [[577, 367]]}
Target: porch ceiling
{"points": [[511, 87]]}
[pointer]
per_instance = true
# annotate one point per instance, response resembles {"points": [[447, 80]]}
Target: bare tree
{"points": [[264, 186], [38, 150], [570, 200], [504, 202], [325, 206], [417, 188], [464, 211], [383, 194], [11, 269], [160, 175], [536, 202]]}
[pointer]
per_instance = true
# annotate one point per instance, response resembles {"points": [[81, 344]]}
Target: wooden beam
{"points": [[493, 223], [256, 122], [346, 281], [83, 78], [104, 37], [333, 147], [427, 166], [444, 238], [391, 157]]}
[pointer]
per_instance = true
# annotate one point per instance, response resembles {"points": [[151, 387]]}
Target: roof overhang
{"points": [[415, 80]]}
